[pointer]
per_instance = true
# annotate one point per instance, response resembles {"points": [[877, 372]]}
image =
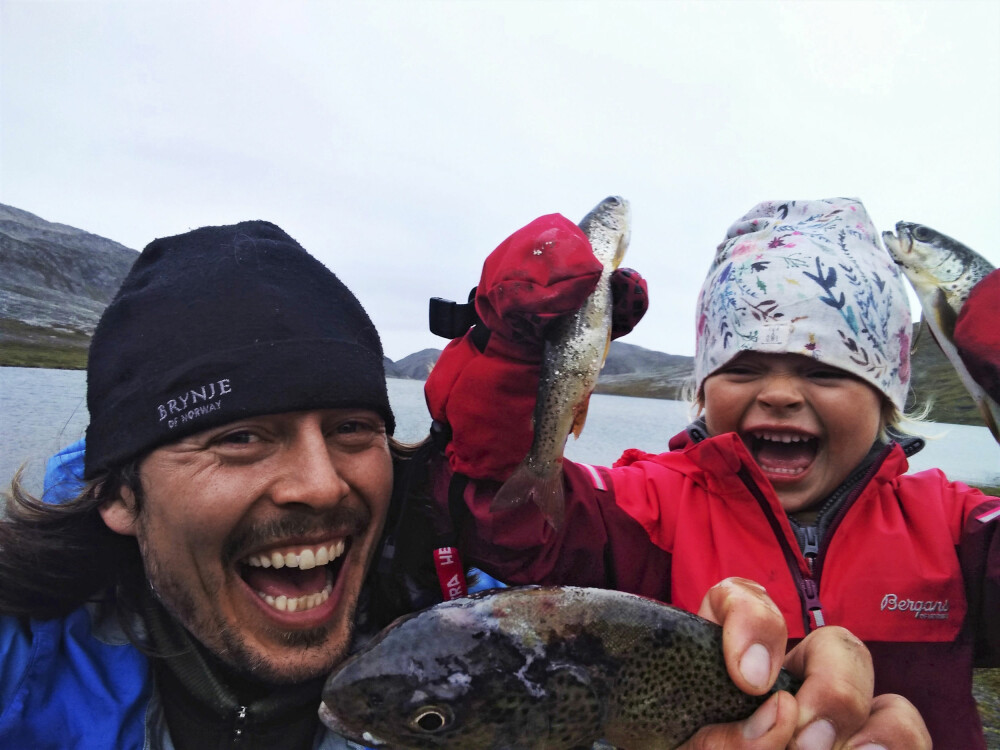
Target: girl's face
{"points": [[807, 424]]}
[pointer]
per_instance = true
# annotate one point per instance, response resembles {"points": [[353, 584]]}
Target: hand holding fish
{"points": [[484, 385], [575, 349], [959, 293], [558, 668]]}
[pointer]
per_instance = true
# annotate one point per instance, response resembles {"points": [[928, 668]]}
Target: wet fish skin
{"points": [[536, 668], [575, 349], [943, 272]]}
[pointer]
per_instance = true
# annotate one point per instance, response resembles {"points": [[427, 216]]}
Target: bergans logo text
{"points": [[922, 610], [193, 403]]}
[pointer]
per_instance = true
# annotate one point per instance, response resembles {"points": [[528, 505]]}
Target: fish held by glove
{"points": [[538, 667], [576, 346], [951, 280]]}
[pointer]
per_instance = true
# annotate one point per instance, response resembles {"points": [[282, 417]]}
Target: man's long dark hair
{"points": [[54, 558]]}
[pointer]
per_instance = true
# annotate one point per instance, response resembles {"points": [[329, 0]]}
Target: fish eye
{"points": [[924, 234], [431, 719]]}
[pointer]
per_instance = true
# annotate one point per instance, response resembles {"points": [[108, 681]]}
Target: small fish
{"points": [[575, 349], [535, 668], [943, 273]]}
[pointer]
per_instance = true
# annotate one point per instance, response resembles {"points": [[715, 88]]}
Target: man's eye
{"points": [[356, 427], [240, 437], [357, 431]]}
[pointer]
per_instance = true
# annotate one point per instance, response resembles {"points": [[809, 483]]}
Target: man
{"points": [[241, 479]]}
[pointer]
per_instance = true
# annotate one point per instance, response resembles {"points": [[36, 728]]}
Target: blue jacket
{"points": [[71, 683]]}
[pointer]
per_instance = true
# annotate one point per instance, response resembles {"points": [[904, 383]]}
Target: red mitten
{"points": [[488, 400], [541, 272], [977, 335], [630, 300]]}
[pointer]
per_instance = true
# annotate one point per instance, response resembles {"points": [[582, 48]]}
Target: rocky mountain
{"points": [[629, 370], [55, 280], [416, 366], [634, 371]]}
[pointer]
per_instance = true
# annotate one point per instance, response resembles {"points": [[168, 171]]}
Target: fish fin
{"points": [[607, 348], [918, 335], [623, 243], [946, 315], [580, 417], [545, 490], [991, 415]]}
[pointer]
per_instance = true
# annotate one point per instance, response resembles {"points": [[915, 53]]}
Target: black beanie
{"points": [[220, 324]]}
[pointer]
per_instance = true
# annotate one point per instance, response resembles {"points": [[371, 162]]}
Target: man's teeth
{"points": [[304, 559], [298, 603], [781, 437]]}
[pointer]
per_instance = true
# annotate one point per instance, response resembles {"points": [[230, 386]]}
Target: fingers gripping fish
{"points": [[943, 273], [575, 349], [538, 668]]}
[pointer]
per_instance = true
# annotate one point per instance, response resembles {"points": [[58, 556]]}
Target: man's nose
{"points": [[308, 473]]}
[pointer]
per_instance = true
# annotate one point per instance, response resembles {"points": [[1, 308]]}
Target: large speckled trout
{"points": [[575, 349], [538, 667], [943, 272]]}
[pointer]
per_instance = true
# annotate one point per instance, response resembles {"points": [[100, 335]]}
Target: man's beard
{"points": [[226, 641]]}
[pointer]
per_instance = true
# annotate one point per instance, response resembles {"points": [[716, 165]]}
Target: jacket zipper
{"points": [[239, 727], [808, 588], [811, 546]]}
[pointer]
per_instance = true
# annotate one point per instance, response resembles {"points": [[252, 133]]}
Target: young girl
{"points": [[793, 476]]}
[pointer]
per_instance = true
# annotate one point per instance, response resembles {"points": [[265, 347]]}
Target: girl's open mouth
{"points": [[782, 454]]}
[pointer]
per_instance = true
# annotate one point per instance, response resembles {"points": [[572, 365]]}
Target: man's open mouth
{"points": [[782, 453], [295, 579]]}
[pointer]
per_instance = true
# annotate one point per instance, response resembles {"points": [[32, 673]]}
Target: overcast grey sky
{"points": [[401, 141]]}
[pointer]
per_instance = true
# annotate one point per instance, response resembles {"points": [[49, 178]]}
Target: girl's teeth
{"points": [[780, 437]]}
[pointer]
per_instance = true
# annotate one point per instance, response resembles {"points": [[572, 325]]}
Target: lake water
{"points": [[43, 410]]}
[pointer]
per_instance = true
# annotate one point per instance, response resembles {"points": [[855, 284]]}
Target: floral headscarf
{"points": [[811, 278]]}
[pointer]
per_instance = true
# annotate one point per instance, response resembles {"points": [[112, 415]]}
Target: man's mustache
{"points": [[295, 523]]}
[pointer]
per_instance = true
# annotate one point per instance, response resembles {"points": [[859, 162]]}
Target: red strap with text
{"points": [[451, 576]]}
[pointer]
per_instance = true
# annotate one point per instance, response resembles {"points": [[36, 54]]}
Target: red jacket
{"points": [[911, 563]]}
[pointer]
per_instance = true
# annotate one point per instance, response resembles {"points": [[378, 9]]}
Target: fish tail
{"points": [[543, 489]]}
